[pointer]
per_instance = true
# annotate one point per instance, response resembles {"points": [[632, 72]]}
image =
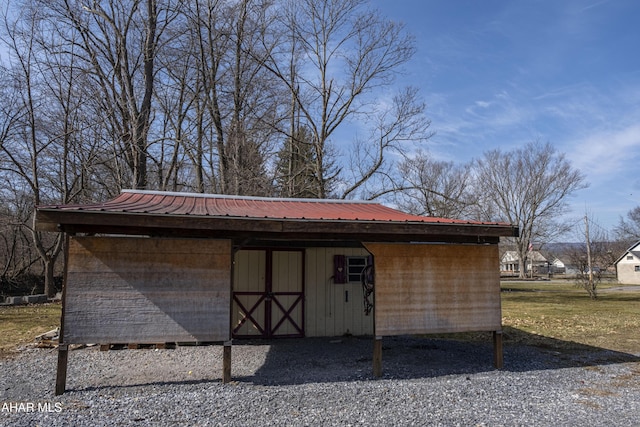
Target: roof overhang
{"points": [[115, 219]]}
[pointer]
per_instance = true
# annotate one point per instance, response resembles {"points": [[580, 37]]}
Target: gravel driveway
{"points": [[325, 382]]}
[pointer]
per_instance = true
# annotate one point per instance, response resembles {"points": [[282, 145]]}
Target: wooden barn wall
{"points": [[436, 288], [147, 290], [333, 309]]}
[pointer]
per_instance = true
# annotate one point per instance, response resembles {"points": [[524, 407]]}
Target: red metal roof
{"points": [[213, 205]]}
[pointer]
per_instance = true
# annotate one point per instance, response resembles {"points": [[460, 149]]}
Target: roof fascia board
{"points": [[56, 220]]}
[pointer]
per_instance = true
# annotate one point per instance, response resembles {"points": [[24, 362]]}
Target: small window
{"points": [[637, 267], [355, 265], [629, 257]]}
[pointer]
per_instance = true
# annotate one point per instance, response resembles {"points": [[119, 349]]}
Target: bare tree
{"points": [[628, 230], [527, 187], [373, 169], [595, 256], [177, 91], [49, 158], [119, 40], [436, 188], [234, 106], [345, 51], [25, 152]]}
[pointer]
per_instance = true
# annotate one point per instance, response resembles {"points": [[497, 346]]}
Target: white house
{"points": [[534, 262], [558, 266], [628, 266]]}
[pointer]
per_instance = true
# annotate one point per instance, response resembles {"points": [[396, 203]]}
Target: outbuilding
{"points": [[158, 267], [628, 266]]}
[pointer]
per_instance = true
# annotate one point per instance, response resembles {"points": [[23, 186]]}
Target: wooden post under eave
{"points": [[63, 349], [61, 375], [498, 360], [226, 362], [377, 357]]}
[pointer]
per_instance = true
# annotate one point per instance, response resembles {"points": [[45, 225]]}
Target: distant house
{"points": [[535, 261], [560, 266], [628, 266]]}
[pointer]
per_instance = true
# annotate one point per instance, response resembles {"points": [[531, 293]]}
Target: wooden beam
{"points": [[61, 374], [226, 362], [498, 360], [377, 357]]}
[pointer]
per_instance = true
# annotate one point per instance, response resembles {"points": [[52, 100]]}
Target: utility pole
{"points": [[586, 228]]}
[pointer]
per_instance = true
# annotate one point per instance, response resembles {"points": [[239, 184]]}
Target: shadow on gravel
{"points": [[312, 360]]}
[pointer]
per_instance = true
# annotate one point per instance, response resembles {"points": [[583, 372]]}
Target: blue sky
{"points": [[498, 74]]}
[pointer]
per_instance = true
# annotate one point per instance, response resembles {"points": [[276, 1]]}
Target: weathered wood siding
{"points": [[434, 288], [333, 309], [147, 290]]}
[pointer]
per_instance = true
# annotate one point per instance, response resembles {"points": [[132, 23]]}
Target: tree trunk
{"points": [[49, 277]]}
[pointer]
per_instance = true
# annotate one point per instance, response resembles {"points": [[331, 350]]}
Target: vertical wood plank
{"points": [[312, 288], [226, 362], [61, 373], [63, 349], [377, 357], [249, 276], [498, 355]]}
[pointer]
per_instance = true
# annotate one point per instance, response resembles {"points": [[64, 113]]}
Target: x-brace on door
{"points": [[268, 296]]}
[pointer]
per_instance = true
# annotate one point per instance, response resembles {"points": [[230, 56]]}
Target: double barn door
{"points": [[268, 293]]}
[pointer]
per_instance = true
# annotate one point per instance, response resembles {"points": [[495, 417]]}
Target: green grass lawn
{"points": [[19, 325], [564, 312], [553, 313]]}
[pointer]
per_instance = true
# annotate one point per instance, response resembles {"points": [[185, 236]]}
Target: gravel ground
{"points": [[325, 382]]}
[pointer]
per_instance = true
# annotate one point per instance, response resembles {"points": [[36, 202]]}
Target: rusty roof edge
{"points": [[427, 220], [255, 198]]}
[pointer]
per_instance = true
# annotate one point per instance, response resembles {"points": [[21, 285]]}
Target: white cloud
{"points": [[608, 152]]}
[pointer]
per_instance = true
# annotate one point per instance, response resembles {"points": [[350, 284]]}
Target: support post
{"points": [[61, 374], [226, 362], [63, 349], [377, 357], [498, 360]]}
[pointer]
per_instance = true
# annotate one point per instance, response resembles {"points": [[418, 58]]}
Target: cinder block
{"points": [[15, 300], [34, 299]]}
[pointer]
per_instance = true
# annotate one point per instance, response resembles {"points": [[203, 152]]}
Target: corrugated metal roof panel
{"points": [[193, 204]]}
